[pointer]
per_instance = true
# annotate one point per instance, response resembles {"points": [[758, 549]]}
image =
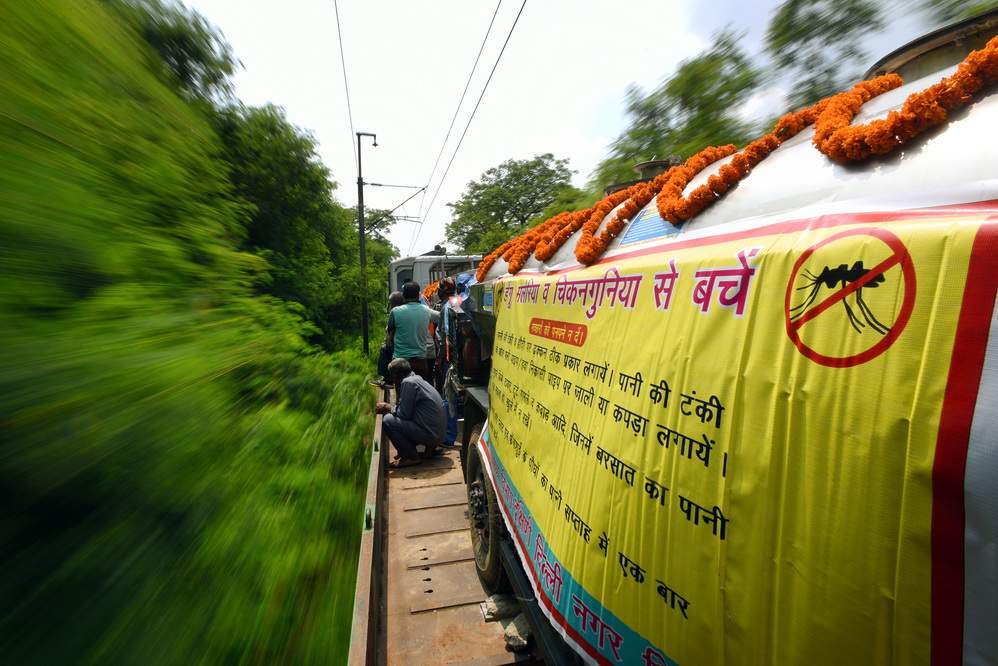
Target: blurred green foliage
{"points": [[945, 11], [197, 59], [818, 44], [181, 467], [307, 239], [696, 106], [291, 221]]}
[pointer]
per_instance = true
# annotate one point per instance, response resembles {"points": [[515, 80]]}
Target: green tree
{"points": [[504, 199], [568, 198], [695, 107], [294, 223], [947, 11], [380, 253], [817, 44], [377, 222], [199, 61]]}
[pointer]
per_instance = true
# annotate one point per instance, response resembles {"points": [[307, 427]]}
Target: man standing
{"points": [[417, 424], [385, 354], [409, 326], [445, 291]]}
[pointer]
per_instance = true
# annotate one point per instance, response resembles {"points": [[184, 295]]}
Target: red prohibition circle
{"points": [[899, 256]]}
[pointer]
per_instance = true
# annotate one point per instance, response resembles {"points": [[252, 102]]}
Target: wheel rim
{"points": [[479, 517]]}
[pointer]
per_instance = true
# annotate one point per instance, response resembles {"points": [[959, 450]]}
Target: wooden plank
{"points": [[498, 660], [437, 550], [433, 562], [432, 497], [434, 484], [440, 520], [431, 603]]}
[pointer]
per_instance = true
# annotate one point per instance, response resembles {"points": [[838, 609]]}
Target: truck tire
{"points": [[486, 523]]}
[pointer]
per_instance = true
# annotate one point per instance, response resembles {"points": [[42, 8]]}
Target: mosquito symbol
{"points": [[843, 275]]}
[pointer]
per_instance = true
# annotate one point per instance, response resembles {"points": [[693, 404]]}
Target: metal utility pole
{"points": [[363, 244]]}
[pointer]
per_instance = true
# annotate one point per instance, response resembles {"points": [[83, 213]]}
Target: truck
{"points": [[742, 412]]}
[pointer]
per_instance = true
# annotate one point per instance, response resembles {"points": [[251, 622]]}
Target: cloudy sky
{"points": [[558, 88]]}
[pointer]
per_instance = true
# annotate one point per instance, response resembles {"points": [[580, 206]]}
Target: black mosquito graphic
{"points": [[841, 276]]}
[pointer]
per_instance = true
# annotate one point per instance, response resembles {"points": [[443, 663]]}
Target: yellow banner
{"points": [[722, 451]]}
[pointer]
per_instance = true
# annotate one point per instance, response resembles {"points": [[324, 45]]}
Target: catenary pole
{"points": [[362, 237]]}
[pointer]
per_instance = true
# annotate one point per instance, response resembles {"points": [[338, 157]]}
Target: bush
{"points": [[182, 473]]}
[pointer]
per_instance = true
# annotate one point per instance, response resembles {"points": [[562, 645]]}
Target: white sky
{"points": [[559, 87]]}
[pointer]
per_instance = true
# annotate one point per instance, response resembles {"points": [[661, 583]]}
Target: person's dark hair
{"points": [[395, 299], [410, 291], [447, 287], [399, 369]]}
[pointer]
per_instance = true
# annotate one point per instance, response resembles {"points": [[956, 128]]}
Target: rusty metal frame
{"points": [[366, 633]]}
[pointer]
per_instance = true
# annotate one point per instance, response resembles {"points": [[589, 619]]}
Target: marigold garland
{"points": [[490, 259], [521, 251], [673, 207], [836, 138], [560, 233], [430, 290], [833, 136], [670, 202], [589, 247]]}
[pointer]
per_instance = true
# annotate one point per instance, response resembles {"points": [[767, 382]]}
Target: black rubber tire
{"points": [[486, 522]]}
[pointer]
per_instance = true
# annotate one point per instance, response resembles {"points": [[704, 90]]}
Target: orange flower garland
{"points": [[486, 264], [555, 226], [430, 290], [525, 246], [589, 248], [670, 202], [673, 207], [834, 137], [517, 250], [639, 196], [571, 223]]}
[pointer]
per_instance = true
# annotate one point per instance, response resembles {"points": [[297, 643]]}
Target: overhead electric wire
{"points": [[346, 87], [465, 132], [422, 200], [407, 200], [464, 92]]}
